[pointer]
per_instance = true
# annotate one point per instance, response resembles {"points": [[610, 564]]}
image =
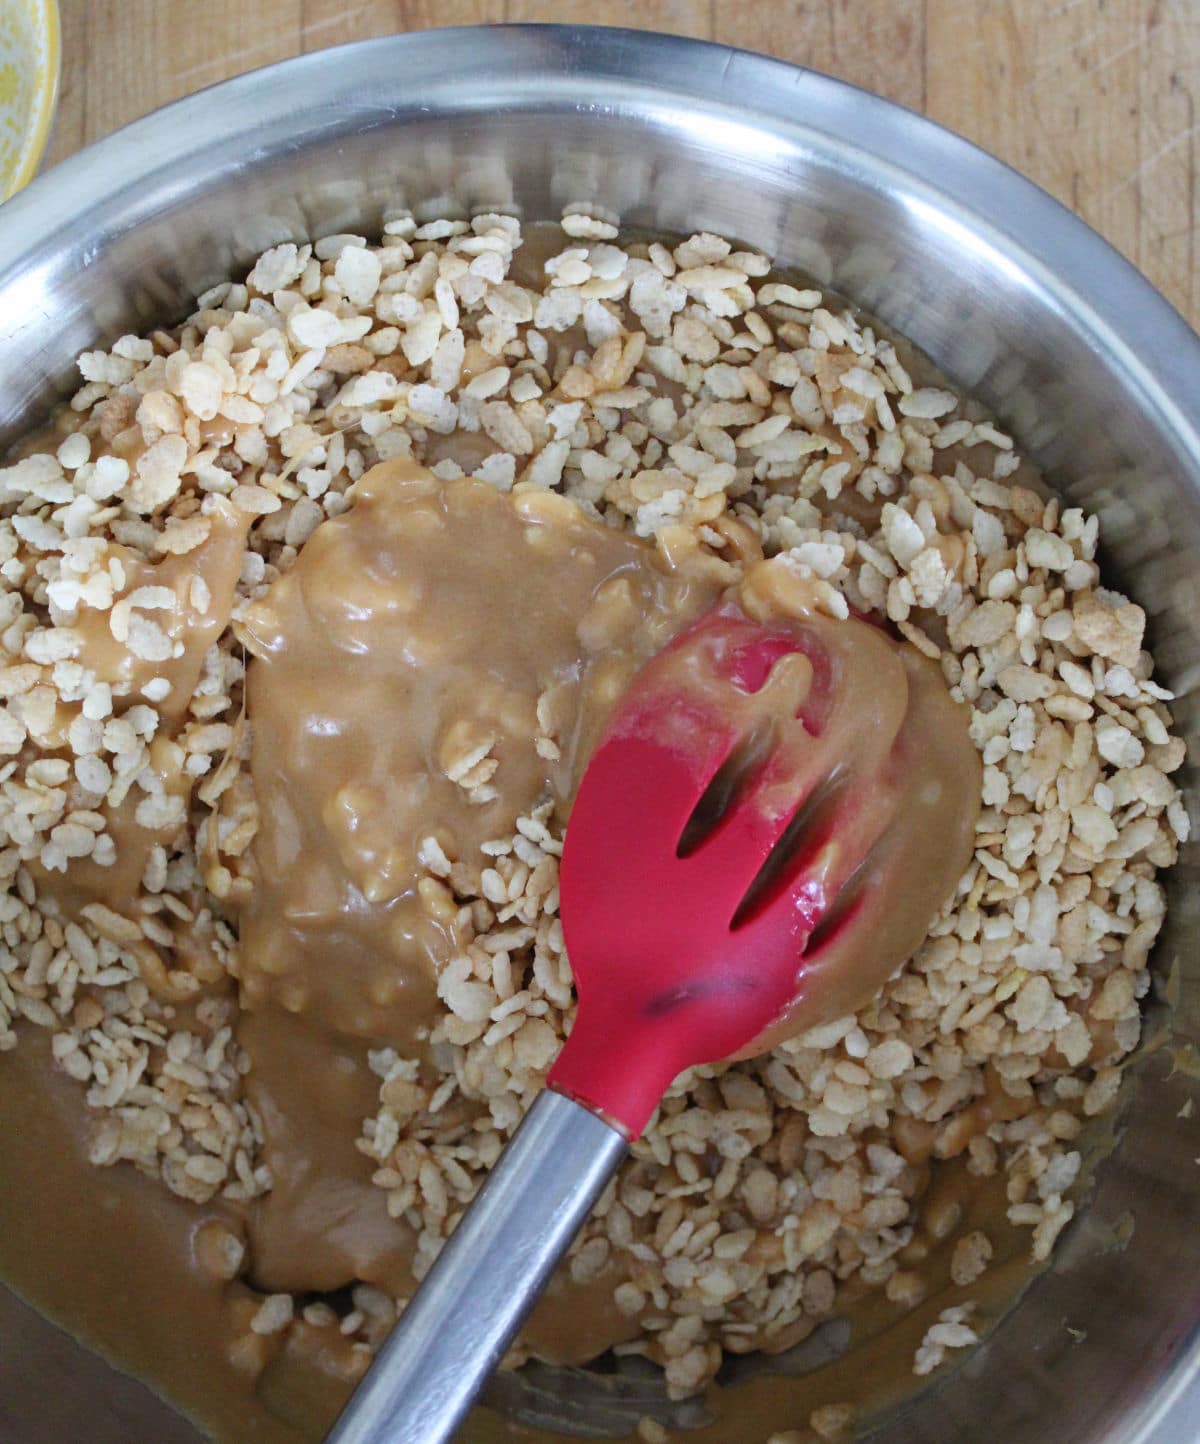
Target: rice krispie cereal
{"points": [[686, 394]]}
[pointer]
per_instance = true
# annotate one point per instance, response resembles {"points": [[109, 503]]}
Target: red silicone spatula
{"points": [[715, 859]]}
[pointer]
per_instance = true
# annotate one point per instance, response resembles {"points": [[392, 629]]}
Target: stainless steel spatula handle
{"points": [[486, 1279]]}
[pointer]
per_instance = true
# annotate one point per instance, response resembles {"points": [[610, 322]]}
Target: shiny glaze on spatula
{"points": [[772, 819]]}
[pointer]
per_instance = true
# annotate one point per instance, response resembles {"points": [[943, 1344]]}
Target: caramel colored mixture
{"points": [[393, 697], [386, 671], [399, 675], [290, 733], [193, 596], [290, 1393], [898, 831]]}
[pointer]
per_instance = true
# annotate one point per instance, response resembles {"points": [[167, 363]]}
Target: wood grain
{"points": [[878, 44], [1096, 100], [676, 17], [336, 22]]}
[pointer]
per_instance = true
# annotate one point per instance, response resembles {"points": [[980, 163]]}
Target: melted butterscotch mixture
{"points": [[399, 673], [394, 698], [293, 726], [440, 660]]}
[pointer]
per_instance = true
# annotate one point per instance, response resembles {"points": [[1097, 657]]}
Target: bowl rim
{"points": [[987, 204]]}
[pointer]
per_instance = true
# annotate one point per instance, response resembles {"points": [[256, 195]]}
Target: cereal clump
{"points": [[688, 395]]}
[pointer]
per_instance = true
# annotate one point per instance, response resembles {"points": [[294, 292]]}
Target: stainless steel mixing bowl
{"points": [[1016, 299]]}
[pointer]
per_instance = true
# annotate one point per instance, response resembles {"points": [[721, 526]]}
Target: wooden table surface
{"points": [[1097, 100]]}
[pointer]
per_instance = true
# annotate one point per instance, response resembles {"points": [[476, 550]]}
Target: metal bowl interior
{"points": [[1014, 298]]}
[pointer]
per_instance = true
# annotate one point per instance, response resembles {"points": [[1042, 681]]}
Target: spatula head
{"points": [[750, 850]]}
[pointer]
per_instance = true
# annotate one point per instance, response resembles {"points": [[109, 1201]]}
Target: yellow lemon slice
{"points": [[29, 61]]}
